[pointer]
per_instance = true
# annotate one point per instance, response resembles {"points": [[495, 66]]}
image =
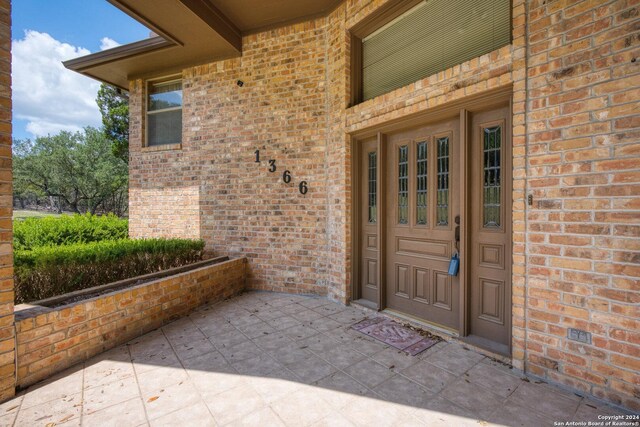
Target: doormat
{"points": [[394, 334]]}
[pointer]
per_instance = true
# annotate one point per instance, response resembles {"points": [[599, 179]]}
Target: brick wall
{"points": [[243, 210], [7, 353], [583, 245], [50, 340], [575, 133]]}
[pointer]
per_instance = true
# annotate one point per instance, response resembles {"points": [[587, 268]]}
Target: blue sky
{"points": [[47, 97]]}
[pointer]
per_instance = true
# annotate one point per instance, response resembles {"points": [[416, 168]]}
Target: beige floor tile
{"points": [[589, 410], [233, 404], [103, 372], [57, 388], [301, 408], [367, 412], [311, 369], [339, 389], [128, 413], [473, 397], [275, 385], [63, 411], [170, 399], [212, 383], [7, 420], [334, 420], [429, 376], [262, 364], [97, 398], [493, 379], [544, 400], [395, 359], [515, 414], [243, 351], [161, 378], [263, 417], [342, 356], [193, 348], [400, 390], [456, 362], [443, 413], [369, 373], [197, 415]]}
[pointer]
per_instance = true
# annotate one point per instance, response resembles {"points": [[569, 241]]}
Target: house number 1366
{"points": [[286, 175]]}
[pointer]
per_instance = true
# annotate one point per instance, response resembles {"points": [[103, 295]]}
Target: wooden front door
{"points": [[490, 228], [422, 187], [416, 185]]}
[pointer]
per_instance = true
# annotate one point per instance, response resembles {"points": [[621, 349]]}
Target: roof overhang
{"points": [[189, 32]]}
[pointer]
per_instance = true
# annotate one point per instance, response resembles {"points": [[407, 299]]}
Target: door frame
{"points": [[463, 108]]}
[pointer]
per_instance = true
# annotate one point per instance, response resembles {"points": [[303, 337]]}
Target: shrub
{"points": [[49, 271], [32, 233]]}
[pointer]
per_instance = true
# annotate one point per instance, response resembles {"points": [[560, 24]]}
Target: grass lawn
{"points": [[21, 214]]}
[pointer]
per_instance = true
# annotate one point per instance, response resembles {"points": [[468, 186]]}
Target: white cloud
{"points": [[47, 95], [108, 43]]}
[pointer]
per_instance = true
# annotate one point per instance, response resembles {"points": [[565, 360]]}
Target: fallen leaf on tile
{"points": [[151, 399], [67, 418]]}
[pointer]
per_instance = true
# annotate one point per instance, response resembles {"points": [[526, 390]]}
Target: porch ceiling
{"points": [[190, 32]]}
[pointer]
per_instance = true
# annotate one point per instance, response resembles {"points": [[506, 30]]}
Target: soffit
{"points": [[189, 33]]}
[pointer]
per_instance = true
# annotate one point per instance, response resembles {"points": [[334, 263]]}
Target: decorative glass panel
{"points": [[421, 187], [373, 196], [442, 204], [403, 185], [492, 185]]}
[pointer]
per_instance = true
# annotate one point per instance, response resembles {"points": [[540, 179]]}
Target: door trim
{"points": [[463, 108]]}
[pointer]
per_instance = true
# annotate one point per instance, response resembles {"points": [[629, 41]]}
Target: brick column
{"points": [[7, 331]]}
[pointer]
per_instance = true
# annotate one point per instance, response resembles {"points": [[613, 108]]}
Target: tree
{"points": [[79, 171], [114, 107]]}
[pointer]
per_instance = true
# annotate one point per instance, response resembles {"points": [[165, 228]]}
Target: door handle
{"points": [[457, 231]]}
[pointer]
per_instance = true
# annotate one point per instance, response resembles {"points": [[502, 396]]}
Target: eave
{"points": [[190, 33]]}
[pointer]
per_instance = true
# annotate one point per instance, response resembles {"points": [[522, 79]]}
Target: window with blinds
{"points": [[164, 113], [431, 37]]}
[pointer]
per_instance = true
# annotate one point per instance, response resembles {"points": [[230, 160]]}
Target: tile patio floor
{"points": [[266, 359]]}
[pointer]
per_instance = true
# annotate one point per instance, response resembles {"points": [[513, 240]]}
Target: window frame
{"points": [[147, 92], [363, 29]]}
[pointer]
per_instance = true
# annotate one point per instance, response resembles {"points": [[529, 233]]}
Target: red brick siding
{"points": [[583, 250], [7, 350]]}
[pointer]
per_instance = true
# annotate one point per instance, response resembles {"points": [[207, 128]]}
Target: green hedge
{"points": [[49, 271], [32, 233]]}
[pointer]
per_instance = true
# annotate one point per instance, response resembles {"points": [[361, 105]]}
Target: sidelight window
{"points": [[421, 184], [373, 196], [492, 179], [403, 184], [442, 161]]}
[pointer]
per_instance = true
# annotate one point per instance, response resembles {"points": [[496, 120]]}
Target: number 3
{"points": [[272, 165]]}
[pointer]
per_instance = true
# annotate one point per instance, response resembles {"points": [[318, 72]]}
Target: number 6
{"points": [[303, 187], [286, 177]]}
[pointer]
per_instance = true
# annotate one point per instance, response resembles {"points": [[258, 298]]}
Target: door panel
{"points": [[490, 227], [369, 242], [422, 200]]}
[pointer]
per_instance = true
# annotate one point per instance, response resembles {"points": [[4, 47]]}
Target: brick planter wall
{"points": [[52, 339]]}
